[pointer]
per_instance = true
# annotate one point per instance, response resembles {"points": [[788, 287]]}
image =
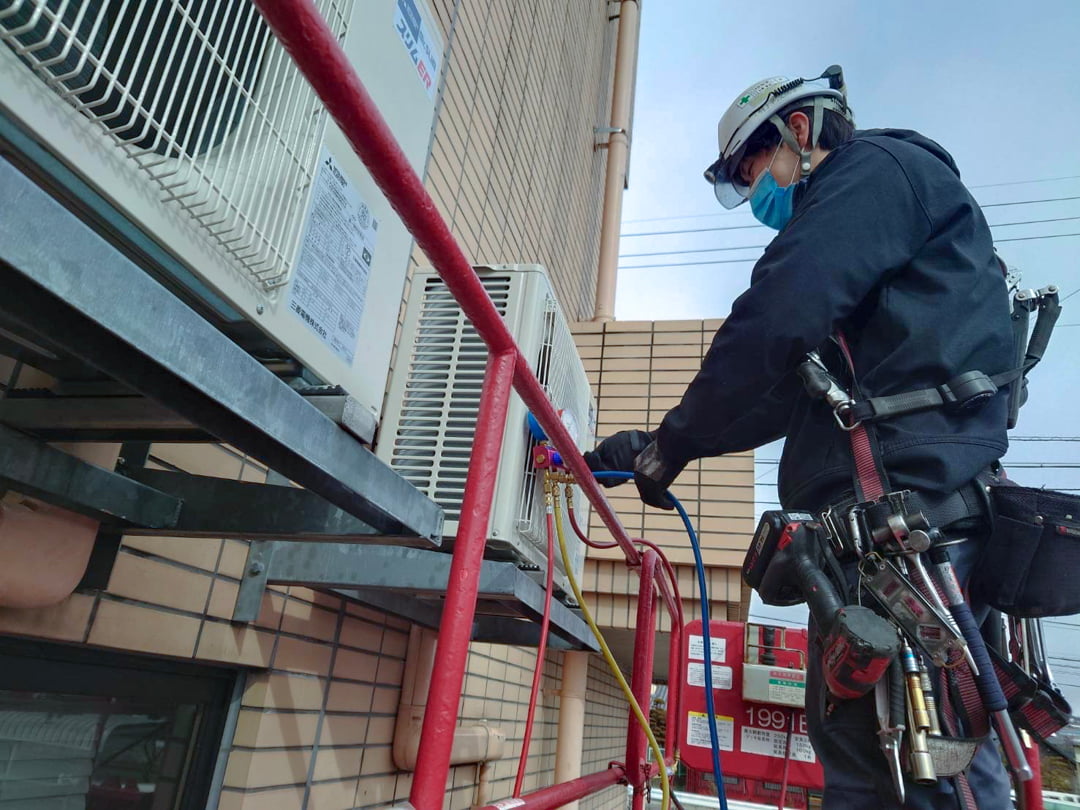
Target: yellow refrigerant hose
{"points": [[658, 755]]}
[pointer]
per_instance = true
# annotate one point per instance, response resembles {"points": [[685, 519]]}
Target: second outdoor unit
{"points": [[185, 124], [429, 420]]}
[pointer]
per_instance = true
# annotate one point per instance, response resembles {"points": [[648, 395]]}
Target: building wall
{"points": [[515, 170], [639, 370], [323, 674], [514, 166]]}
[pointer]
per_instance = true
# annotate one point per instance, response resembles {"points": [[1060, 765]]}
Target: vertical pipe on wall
{"points": [[571, 734], [618, 158]]}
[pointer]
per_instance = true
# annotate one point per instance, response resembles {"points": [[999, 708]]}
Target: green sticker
{"points": [[744, 100]]}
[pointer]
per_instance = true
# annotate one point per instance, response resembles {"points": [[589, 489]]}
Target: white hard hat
{"points": [[760, 103]]}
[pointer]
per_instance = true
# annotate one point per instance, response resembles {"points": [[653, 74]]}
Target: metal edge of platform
{"points": [[150, 340]]}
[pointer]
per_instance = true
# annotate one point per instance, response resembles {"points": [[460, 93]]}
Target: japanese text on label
{"points": [[718, 646], [697, 731], [721, 676], [329, 286], [774, 744]]}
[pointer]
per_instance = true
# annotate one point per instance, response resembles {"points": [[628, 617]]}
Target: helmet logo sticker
{"points": [[744, 100]]}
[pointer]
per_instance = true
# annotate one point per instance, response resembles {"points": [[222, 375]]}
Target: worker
{"points": [[882, 250]]}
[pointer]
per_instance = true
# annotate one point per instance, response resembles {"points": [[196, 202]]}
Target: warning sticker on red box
{"points": [[771, 743], [697, 731], [717, 645], [721, 675]]}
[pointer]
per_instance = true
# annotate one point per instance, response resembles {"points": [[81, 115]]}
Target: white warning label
{"points": [[788, 692], [718, 646], [329, 285], [721, 675], [771, 743], [697, 731]]}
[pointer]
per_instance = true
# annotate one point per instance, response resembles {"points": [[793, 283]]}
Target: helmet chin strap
{"points": [[793, 143]]}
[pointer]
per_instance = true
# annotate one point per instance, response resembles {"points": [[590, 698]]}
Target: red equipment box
{"points": [[753, 736]]}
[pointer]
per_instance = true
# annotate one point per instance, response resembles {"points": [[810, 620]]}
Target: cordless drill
{"points": [[786, 565]]}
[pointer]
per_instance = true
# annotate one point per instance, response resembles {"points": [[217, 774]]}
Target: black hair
{"points": [[835, 129]]}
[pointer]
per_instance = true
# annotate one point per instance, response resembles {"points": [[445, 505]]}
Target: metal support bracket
{"points": [[35, 469], [410, 583], [114, 418], [94, 304]]}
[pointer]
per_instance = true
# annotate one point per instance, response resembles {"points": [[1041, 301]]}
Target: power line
{"points": [[731, 213], [1030, 238], [754, 261], [703, 250], [762, 247], [1047, 438], [1027, 182], [758, 225]]}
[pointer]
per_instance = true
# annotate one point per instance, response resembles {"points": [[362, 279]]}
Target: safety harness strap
{"points": [[972, 388], [868, 476]]}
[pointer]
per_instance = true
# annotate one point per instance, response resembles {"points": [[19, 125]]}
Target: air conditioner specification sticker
{"points": [[774, 744], [721, 675], [420, 41], [330, 282], [697, 731]]}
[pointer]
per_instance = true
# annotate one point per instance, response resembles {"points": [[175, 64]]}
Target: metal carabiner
{"points": [[838, 415]]}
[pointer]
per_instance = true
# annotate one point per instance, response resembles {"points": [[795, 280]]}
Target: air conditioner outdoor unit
{"points": [[430, 417], [190, 118]]}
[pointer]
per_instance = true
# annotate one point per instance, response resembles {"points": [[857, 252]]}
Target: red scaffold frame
{"points": [[314, 48]]}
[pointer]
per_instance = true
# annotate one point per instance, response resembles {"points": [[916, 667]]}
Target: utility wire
{"points": [[756, 247], [758, 225], [980, 185], [754, 261]]}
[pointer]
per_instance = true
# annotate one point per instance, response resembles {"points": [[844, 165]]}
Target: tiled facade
{"points": [[639, 370], [515, 169]]}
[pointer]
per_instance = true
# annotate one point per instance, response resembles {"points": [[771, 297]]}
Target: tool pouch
{"points": [[1030, 564]]}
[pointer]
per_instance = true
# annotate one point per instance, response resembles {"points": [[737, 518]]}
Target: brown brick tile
{"points": [[148, 580], [65, 621], [280, 691], [351, 697], [270, 729], [235, 644], [337, 763], [296, 655], [141, 629], [254, 769], [349, 729], [306, 619], [201, 459], [336, 795], [196, 552]]}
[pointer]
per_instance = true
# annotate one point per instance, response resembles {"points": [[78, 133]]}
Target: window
{"points": [[86, 729]]}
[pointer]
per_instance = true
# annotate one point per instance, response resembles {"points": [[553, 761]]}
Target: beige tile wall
{"points": [[323, 674], [639, 370], [513, 167], [515, 171]]}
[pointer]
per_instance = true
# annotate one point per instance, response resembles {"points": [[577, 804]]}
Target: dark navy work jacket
{"points": [[887, 246]]}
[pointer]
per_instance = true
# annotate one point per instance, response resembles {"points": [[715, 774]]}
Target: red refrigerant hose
{"points": [[541, 651]]}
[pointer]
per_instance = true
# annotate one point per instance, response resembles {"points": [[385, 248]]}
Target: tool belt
{"points": [[1029, 564], [853, 526]]}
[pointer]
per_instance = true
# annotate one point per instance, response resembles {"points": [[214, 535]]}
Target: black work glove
{"points": [[635, 451], [617, 452]]}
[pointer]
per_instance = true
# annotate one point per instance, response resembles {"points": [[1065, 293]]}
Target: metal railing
{"points": [[316, 51]]}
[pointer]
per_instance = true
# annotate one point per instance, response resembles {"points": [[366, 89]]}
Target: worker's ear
{"points": [[799, 124]]}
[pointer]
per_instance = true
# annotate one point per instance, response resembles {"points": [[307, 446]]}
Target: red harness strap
{"points": [[868, 482]]}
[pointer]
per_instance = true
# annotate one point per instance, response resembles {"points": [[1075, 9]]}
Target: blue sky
{"points": [[994, 82]]}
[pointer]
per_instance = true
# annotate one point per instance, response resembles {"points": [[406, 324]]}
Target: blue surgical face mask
{"points": [[771, 203]]}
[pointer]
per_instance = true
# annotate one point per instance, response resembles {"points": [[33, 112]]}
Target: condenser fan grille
{"points": [[201, 98], [437, 424]]}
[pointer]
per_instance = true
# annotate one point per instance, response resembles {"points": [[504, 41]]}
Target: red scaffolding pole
{"points": [[309, 41]]}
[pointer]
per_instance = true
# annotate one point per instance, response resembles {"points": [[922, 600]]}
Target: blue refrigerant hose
{"points": [[714, 735]]}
